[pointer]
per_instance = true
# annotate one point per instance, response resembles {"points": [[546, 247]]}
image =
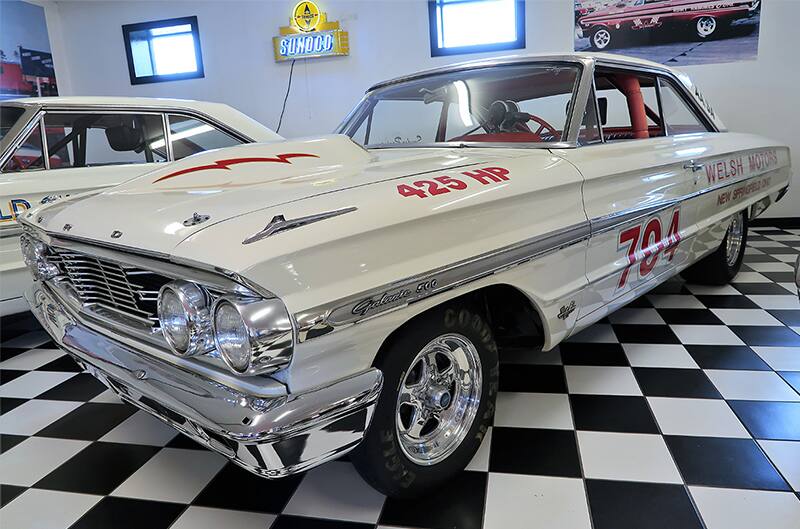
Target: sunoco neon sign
{"points": [[310, 35]]}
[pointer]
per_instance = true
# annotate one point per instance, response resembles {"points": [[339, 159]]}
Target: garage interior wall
{"points": [[387, 38]]}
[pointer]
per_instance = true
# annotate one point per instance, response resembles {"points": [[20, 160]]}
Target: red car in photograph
{"points": [[705, 18]]}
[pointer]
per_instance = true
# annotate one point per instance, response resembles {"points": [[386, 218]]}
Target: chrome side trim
{"points": [[10, 230], [325, 318], [279, 223]]}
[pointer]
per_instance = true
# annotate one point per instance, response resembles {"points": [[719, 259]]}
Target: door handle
{"points": [[694, 166]]}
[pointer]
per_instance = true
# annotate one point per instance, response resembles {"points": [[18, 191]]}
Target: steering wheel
{"points": [[544, 126], [505, 116]]}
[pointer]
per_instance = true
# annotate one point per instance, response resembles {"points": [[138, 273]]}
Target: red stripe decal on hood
{"points": [[225, 164]]}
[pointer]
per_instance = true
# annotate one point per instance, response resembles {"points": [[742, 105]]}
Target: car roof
{"points": [[534, 57], [220, 112]]}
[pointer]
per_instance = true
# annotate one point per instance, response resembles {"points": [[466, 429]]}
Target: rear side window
{"points": [[628, 105], [77, 139], [189, 136], [679, 117]]}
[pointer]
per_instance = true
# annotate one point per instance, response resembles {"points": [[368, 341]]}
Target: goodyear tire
{"points": [[438, 399], [720, 267]]}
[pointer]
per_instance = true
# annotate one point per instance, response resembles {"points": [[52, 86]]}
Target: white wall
{"points": [[387, 38]]}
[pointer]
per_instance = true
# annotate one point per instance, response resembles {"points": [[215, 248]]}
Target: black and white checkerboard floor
{"points": [[682, 411]]}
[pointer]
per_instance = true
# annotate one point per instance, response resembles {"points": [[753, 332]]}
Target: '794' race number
{"points": [[644, 244], [440, 185]]}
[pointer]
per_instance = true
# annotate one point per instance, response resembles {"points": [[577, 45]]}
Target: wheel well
{"points": [[511, 315]]}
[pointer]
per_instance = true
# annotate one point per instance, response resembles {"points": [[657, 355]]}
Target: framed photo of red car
{"points": [[672, 32]]}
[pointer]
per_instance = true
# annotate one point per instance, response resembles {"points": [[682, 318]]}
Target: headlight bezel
{"points": [[34, 254], [194, 301], [270, 333]]}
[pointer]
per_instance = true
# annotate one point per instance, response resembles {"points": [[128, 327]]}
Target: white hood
{"points": [[150, 210]]}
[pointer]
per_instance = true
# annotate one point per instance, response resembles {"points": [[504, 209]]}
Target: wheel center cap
{"points": [[439, 398]]}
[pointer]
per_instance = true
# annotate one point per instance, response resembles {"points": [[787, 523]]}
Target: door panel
{"points": [[632, 194]]}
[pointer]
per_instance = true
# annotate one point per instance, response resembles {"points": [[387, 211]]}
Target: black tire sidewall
{"points": [[379, 458]]}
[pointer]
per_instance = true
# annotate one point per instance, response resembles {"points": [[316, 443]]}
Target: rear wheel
{"points": [[721, 266], [440, 384], [706, 27], [600, 38]]}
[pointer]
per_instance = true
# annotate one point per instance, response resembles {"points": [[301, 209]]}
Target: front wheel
{"points": [[440, 384], [720, 267]]}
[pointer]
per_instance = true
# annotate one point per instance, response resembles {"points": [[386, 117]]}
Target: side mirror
{"points": [[602, 105]]}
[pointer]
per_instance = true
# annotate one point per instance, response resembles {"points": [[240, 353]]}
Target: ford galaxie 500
{"points": [[60, 146], [286, 303]]}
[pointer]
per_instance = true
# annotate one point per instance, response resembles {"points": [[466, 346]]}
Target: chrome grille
{"points": [[123, 289]]}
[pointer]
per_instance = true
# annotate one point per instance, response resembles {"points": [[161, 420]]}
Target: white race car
{"points": [[284, 304], [60, 146]]}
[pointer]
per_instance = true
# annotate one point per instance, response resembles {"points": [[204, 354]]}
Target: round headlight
{"points": [[183, 317], [231, 336], [253, 336]]}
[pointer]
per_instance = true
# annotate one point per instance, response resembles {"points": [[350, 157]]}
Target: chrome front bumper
{"points": [[270, 436]]}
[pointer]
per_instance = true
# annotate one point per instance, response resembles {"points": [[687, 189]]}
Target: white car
{"points": [[284, 304], [60, 146]]}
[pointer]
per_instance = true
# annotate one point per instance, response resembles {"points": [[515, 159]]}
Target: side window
{"points": [[677, 114], [29, 155], [190, 136], [76, 139], [628, 106]]}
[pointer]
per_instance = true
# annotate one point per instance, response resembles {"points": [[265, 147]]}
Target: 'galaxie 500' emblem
{"points": [[363, 307]]}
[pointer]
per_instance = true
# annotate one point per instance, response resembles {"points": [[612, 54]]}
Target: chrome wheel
{"points": [[734, 239], [438, 399], [706, 26], [601, 39]]}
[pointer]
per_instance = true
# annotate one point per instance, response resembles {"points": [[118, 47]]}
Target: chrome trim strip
{"points": [[43, 140], [580, 100], [10, 230], [325, 318], [279, 224]]}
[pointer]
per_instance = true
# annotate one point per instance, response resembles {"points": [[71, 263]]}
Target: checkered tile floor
{"points": [[681, 411]]}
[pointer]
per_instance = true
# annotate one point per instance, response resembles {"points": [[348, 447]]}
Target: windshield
{"points": [[520, 103], [8, 117]]}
